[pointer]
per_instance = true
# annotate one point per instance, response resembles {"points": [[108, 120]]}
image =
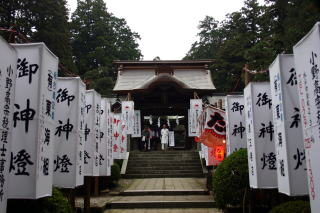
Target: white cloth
{"points": [[164, 136]]}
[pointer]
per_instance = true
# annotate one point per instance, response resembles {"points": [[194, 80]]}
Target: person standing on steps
{"points": [[145, 138], [164, 137]]}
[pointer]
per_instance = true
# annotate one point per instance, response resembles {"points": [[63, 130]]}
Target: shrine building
{"points": [[163, 89]]}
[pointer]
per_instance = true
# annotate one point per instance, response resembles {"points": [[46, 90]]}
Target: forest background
{"points": [[93, 38]]}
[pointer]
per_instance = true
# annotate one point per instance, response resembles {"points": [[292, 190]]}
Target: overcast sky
{"points": [[167, 27]]}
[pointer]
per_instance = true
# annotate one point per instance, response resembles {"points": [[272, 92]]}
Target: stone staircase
{"points": [[159, 164]]}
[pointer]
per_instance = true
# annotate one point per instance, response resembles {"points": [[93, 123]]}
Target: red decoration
{"points": [[219, 153]]}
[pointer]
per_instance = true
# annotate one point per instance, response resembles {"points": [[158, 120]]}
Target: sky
{"points": [[167, 27]]}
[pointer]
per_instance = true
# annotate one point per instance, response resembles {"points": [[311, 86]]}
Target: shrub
{"points": [[115, 172], [231, 179], [111, 181], [119, 162], [56, 203], [292, 207]]}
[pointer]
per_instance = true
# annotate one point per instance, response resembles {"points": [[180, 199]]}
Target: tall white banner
{"points": [[171, 138], [116, 135], [260, 133], [127, 116], [31, 164], [123, 142], [291, 165], [92, 133], [236, 125], [190, 133], [307, 62], [195, 111], [8, 70], [104, 137], [109, 115], [69, 133], [137, 124]]}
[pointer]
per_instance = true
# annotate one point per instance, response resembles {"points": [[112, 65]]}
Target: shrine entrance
{"points": [[162, 90]]}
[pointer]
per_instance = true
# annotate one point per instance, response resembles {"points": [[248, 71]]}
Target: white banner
{"points": [[31, 166], [137, 124], [291, 165], [123, 142], [68, 161], [127, 115], [109, 115], [92, 133], [236, 126], [171, 138], [8, 70], [260, 133], [190, 133], [307, 63], [104, 136], [116, 135], [195, 111]]}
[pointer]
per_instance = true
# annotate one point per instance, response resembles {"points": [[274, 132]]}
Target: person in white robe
{"points": [[164, 137]]}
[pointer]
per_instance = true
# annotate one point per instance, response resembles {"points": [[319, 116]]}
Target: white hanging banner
{"points": [[190, 133], [236, 126], [109, 141], [68, 154], [171, 138], [31, 164], [260, 133], [92, 133], [116, 135], [109, 117], [127, 115], [291, 165], [137, 124], [195, 111], [307, 63], [123, 142], [8, 70], [104, 137]]}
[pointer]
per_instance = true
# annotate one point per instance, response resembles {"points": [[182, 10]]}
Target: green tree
{"points": [[254, 36], [40, 21], [99, 38]]}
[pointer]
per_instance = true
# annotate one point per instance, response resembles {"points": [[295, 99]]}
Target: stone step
{"points": [[164, 210], [165, 156], [163, 192], [168, 167], [170, 152], [156, 164], [133, 176], [163, 161], [176, 201], [163, 171]]}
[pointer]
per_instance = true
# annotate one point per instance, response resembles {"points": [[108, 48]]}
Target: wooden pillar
{"points": [[96, 186], [72, 199], [87, 188]]}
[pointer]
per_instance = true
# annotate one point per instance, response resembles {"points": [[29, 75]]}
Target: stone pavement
{"points": [[186, 184], [155, 195], [189, 210]]}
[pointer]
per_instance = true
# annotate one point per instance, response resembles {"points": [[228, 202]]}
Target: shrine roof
{"points": [[141, 75]]}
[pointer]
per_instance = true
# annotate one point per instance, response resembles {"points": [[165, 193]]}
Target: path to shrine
{"points": [[155, 195]]}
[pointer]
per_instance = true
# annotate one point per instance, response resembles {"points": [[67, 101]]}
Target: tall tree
{"points": [[254, 35], [41, 21], [99, 38]]}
